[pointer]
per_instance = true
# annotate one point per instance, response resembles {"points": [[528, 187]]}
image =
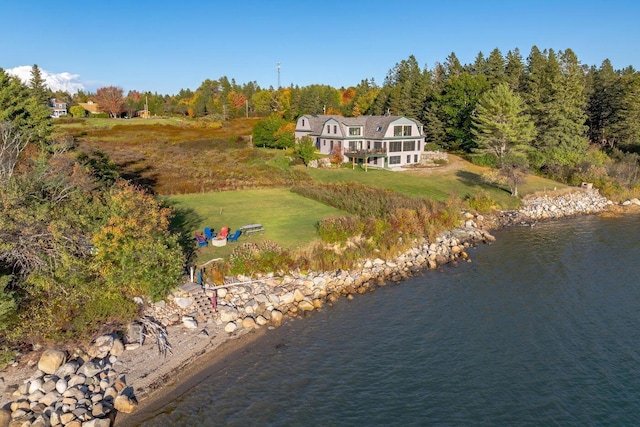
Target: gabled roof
{"points": [[375, 127]]}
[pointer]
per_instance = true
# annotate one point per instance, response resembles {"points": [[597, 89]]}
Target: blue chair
{"points": [[234, 237], [208, 233], [201, 240]]}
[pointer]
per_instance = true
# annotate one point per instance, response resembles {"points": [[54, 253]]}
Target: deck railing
{"points": [[364, 152]]}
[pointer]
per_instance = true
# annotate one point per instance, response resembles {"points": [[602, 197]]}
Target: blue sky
{"points": [[164, 46]]}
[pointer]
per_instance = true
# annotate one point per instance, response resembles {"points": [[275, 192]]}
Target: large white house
{"points": [[374, 141]]}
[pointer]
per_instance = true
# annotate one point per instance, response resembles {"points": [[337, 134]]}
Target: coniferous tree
{"points": [[627, 125], [495, 68], [500, 124], [514, 69], [38, 86]]}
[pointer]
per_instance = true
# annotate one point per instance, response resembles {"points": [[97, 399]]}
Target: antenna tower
{"points": [[278, 68]]}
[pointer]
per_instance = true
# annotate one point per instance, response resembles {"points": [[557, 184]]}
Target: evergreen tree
{"points": [[500, 124], [495, 68], [627, 126], [514, 69], [457, 102], [452, 66], [479, 65], [38, 86]]}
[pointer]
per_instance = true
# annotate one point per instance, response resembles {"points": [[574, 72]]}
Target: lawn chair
{"points": [[234, 237], [201, 239], [208, 233], [224, 232]]}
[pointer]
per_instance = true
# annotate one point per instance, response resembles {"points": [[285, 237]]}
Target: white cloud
{"points": [[61, 81]]}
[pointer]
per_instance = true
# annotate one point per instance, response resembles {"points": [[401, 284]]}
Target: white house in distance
{"points": [[374, 141], [58, 107]]}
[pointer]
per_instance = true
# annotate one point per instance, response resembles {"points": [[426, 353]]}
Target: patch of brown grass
{"points": [[189, 157]]}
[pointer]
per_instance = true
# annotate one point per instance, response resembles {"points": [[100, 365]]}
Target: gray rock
{"points": [[89, 369], [67, 369], [227, 313], [61, 385], [189, 322], [183, 303]]}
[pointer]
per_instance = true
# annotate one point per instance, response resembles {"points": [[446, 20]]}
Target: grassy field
{"points": [[460, 179], [181, 156], [288, 219]]}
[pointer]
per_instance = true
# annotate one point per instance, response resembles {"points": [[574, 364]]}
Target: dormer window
{"points": [[354, 131], [335, 129], [302, 122]]}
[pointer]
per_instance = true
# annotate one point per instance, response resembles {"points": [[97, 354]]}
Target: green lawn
{"points": [[288, 219], [462, 181]]}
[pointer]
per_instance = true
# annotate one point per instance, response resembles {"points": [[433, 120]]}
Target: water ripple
{"points": [[541, 329]]}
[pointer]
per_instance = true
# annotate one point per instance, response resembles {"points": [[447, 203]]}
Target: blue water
{"points": [[542, 328]]}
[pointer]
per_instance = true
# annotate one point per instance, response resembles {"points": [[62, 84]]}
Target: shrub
{"points": [[267, 256], [339, 229], [480, 202], [488, 160]]}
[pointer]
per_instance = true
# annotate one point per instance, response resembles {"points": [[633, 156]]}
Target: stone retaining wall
{"points": [[271, 299], [578, 202]]}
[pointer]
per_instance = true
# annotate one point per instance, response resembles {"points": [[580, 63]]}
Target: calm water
{"points": [[542, 328]]}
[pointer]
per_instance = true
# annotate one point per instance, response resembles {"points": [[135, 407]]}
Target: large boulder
{"points": [[125, 404], [101, 347], [51, 360]]}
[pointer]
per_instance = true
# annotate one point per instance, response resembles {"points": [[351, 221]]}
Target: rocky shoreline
{"points": [[76, 397]]}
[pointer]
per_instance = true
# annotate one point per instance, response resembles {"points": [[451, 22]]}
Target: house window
{"points": [[407, 131], [415, 158], [395, 146], [324, 142], [377, 145], [335, 129], [328, 129], [418, 145], [353, 145], [375, 160], [302, 122], [397, 131], [409, 146], [354, 131], [379, 129], [394, 160], [408, 158]]}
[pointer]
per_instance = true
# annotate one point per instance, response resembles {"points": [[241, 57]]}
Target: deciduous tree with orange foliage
{"points": [[110, 99]]}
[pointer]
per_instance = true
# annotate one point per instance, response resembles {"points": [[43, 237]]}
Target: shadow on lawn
{"points": [[470, 178], [185, 221]]}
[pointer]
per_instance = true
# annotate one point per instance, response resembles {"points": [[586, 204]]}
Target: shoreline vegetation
{"points": [[246, 311]]}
